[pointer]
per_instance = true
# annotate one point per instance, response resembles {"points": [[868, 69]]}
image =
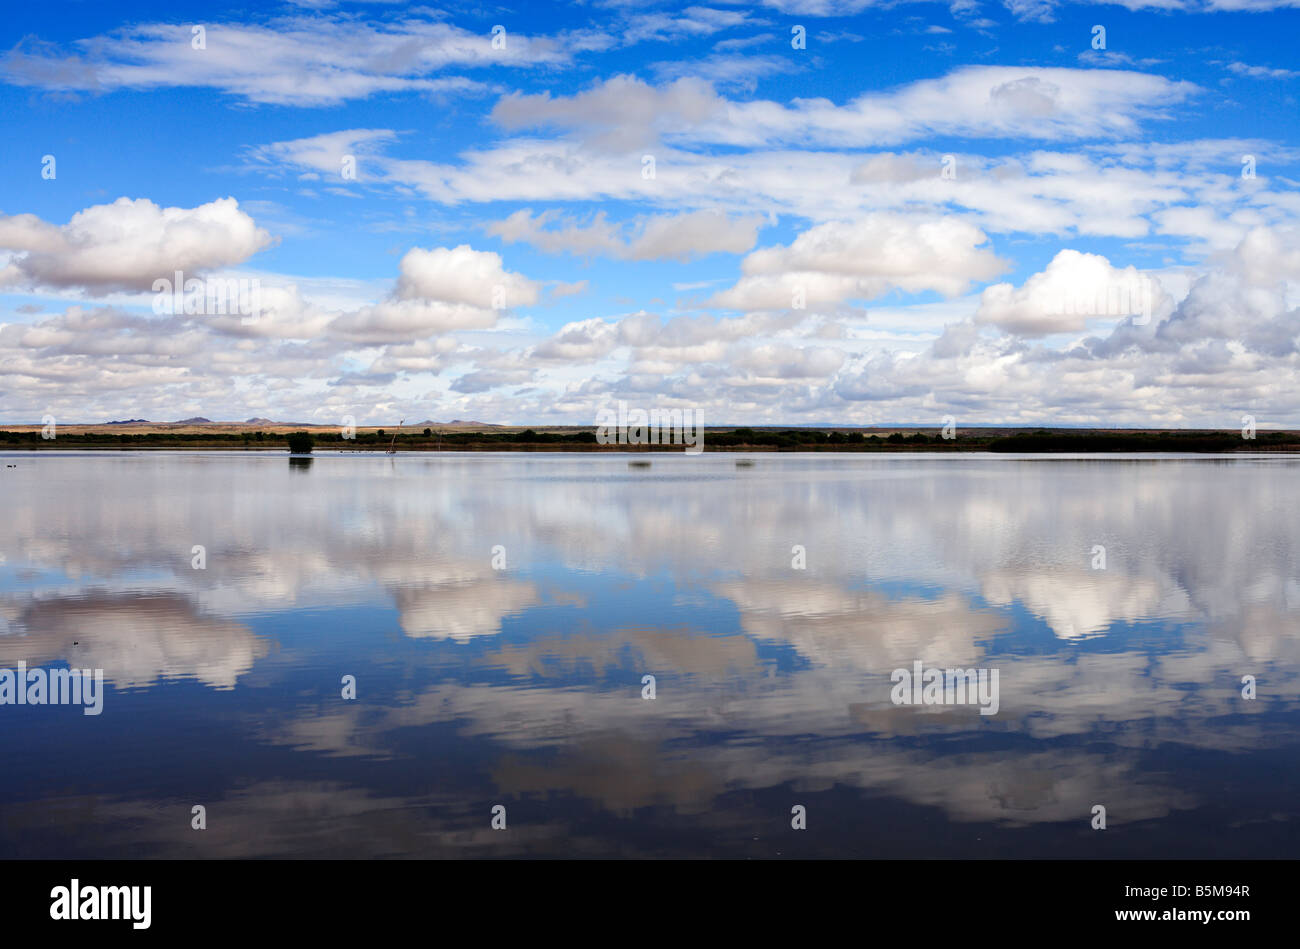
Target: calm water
{"points": [[522, 686]]}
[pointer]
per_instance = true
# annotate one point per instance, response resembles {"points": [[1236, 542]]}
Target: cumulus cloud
{"points": [[460, 611], [1226, 347], [399, 321], [1238, 313], [579, 342], [128, 244], [852, 171], [462, 275], [783, 363], [135, 639], [864, 259], [1075, 289], [438, 291]]}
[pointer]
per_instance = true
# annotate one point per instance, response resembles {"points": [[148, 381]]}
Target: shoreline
{"points": [[833, 440], [931, 449]]}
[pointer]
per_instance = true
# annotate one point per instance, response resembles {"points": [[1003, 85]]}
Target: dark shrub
{"points": [[301, 443]]}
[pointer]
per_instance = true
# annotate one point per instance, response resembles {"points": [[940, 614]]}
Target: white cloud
{"points": [[619, 113], [303, 60], [727, 70], [852, 171], [973, 101], [581, 341], [650, 237], [1074, 290], [398, 321], [864, 259], [1044, 11], [672, 26], [128, 244], [440, 290], [697, 233], [462, 275], [1261, 72]]}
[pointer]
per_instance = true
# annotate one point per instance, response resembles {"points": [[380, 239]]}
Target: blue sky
{"points": [[804, 253]]}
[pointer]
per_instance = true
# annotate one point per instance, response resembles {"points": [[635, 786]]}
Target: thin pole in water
{"points": [[392, 448]]}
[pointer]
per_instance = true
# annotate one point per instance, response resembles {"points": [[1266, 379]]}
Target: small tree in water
{"points": [[301, 443]]}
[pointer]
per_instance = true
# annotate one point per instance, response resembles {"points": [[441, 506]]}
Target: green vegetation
{"points": [[300, 443], [1044, 441], [739, 439]]}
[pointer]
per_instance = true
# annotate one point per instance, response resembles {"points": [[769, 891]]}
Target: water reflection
{"points": [[500, 611]]}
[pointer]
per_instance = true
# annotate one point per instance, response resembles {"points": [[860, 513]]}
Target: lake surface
{"points": [[499, 613]]}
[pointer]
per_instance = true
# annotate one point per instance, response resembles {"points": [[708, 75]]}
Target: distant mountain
{"points": [[460, 421], [197, 420], [259, 421], [129, 421]]}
